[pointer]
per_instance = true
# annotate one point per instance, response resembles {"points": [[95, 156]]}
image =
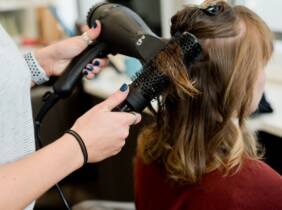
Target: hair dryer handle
{"points": [[73, 73]]}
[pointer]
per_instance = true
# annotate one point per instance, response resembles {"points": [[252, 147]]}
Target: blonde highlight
{"points": [[195, 131]]}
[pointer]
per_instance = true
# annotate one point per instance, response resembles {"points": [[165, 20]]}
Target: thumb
{"points": [[94, 32], [90, 35], [116, 99]]}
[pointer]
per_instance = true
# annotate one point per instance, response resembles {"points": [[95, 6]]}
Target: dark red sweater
{"points": [[255, 187]]}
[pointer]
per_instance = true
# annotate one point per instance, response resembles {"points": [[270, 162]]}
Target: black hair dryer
{"points": [[123, 31]]}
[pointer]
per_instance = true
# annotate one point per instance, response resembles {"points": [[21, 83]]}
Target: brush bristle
{"points": [[155, 77], [165, 70], [190, 47], [150, 81]]}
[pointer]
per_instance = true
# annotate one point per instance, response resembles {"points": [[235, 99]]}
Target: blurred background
{"points": [[109, 184]]}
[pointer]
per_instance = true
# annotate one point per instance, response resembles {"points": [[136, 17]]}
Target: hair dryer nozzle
{"points": [[125, 32]]}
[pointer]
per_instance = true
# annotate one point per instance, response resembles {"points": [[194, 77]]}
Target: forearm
{"points": [[45, 57], [25, 180]]}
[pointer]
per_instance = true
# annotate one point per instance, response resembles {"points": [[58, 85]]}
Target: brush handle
{"points": [[73, 73], [123, 107], [135, 102]]}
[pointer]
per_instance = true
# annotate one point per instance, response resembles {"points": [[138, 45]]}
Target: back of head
{"points": [[196, 134]]}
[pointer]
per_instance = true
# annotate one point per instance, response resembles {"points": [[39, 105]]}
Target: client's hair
{"points": [[193, 135]]}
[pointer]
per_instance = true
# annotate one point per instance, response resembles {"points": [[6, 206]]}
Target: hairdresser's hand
{"points": [[103, 131], [55, 58]]}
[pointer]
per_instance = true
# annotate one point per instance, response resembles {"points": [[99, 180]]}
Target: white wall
{"points": [[67, 11], [84, 6], [269, 10]]}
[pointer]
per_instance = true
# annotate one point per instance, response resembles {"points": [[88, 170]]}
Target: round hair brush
{"points": [[152, 81], [149, 84]]}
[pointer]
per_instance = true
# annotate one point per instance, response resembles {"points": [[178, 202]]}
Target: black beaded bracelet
{"points": [[81, 144]]}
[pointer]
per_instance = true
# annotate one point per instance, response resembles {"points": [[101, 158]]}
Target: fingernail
{"points": [[123, 88], [85, 72], [89, 67], [94, 25], [96, 63]]}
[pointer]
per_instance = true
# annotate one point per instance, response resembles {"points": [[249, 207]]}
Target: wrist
{"points": [[41, 56], [81, 143], [76, 156], [38, 74]]}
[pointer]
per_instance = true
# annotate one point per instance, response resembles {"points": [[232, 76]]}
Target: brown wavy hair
{"points": [[194, 134]]}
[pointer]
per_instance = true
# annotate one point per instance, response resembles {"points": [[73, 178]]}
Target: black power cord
{"points": [[50, 99]]}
